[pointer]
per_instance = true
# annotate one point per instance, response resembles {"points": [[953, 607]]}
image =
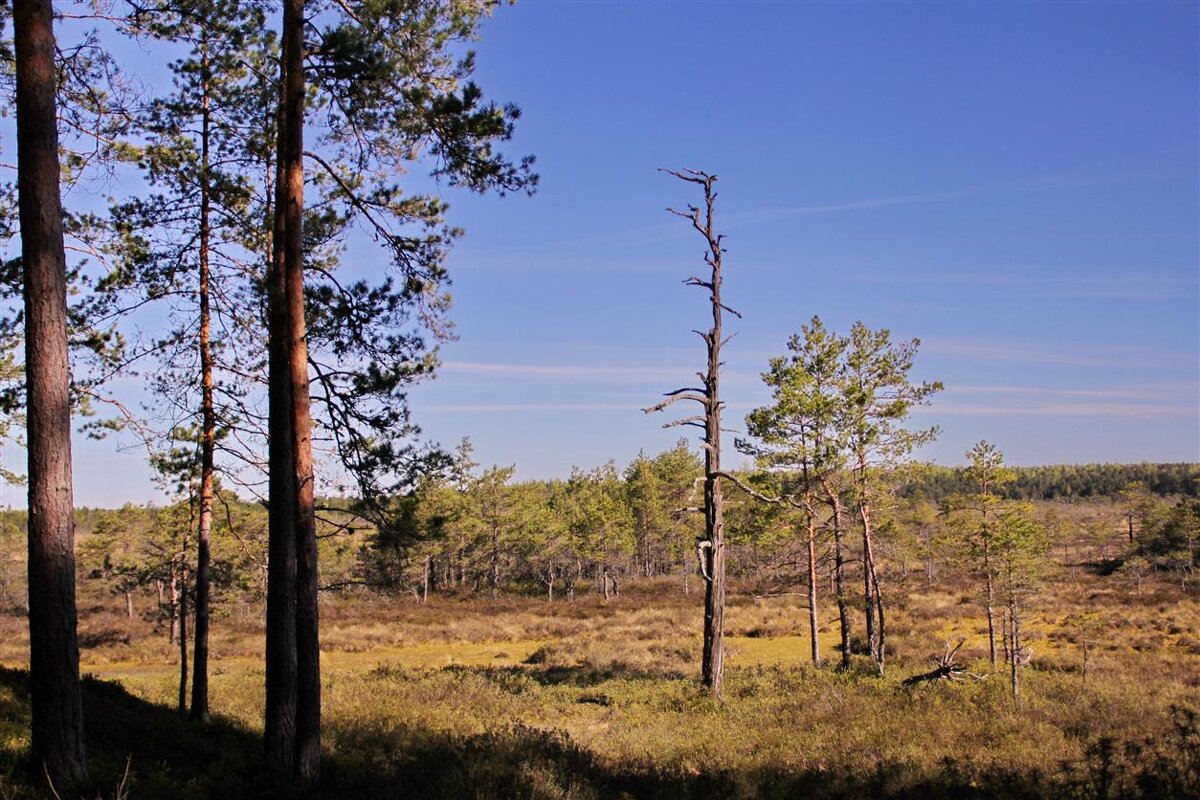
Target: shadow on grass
{"points": [[172, 757], [588, 675], [167, 756], [88, 641], [522, 761]]}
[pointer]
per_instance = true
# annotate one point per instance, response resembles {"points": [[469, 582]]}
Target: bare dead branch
{"points": [[695, 421], [701, 399]]}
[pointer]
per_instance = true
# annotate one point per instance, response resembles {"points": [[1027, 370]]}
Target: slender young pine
{"points": [[797, 434], [986, 473]]}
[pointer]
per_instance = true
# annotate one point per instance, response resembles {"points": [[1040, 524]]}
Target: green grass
{"points": [[521, 698]]}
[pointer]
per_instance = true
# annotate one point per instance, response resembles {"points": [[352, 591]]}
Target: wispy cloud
{"points": [[591, 371], [1054, 353], [1115, 410], [512, 408], [518, 408], [1174, 400], [784, 212], [1136, 285], [992, 351], [1127, 393], [667, 231], [566, 253]]}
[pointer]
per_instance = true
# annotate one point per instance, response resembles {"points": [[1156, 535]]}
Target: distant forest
{"points": [[1063, 481]]}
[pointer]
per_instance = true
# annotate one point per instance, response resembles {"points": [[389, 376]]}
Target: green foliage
{"points": [[878, 398], [595, 507], [1019, 545], [485, 530], [799, 431], [1172, 542]]}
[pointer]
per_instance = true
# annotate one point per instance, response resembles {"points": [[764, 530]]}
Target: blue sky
{"points": [[1017, 185]]}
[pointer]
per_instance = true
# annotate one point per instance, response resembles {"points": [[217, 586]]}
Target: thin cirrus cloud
{"points": [[516, 408], [784, 212], [1136, 286], [508, 408], [1033, 353], [585, 372], [1147, 392], [1077, 410], [592, 371], [666, 231], [1042, 184], [1147, 402]]}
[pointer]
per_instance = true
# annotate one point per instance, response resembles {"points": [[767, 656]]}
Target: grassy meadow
{"points": [[520, 697]]}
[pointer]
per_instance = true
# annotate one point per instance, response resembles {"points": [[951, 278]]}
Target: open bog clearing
{"points": [[521, 697]]}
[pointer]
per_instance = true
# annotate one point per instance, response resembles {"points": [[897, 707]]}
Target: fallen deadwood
{"points": [[946, 669]]}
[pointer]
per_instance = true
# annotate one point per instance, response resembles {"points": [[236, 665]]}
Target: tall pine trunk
{"points": [[839, 574], [990, 602], [56, 698], [1014, 645], [281, 668], [873, 597], [207, 413], [813, 622], [294, 704], [182, 610], [494, 573], [173, 629]]}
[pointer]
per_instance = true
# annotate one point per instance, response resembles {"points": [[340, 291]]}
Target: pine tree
{"points": [[797, 434], [877, 398], [57, 712], [977, 516]]}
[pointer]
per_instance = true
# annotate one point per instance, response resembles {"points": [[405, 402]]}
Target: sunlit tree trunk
{"points": [[839, 574], [291, 207], [173, 631], [283, 668], [874, 598], [813, 622], [183, 634], [56, 699], [990, 602], [207, 413]]}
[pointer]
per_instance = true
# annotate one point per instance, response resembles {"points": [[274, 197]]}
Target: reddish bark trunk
{"points": [[57, 709], [279, 729], [298, 695]]}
